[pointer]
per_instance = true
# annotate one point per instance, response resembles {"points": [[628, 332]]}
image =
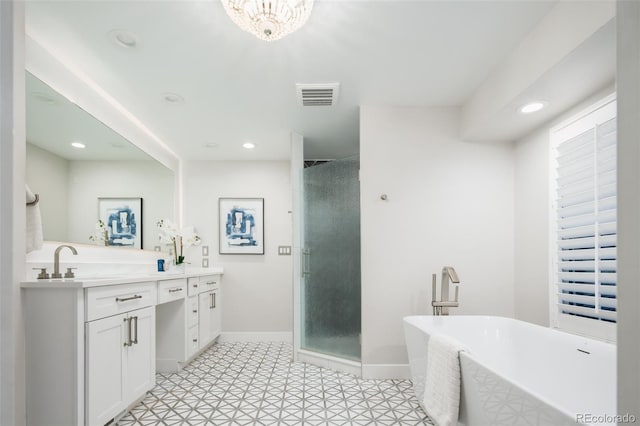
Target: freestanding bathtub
{"points": [[516, 373]]}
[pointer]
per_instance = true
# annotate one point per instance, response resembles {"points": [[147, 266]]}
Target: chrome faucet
{"points": [[56, 262], [442, 307]]}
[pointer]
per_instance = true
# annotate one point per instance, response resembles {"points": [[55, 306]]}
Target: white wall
{"points": [[449, 203], [531, 284], [257, 289], [12, 212], [47, 176], [628, 79], [89, 180], [532, 203]]}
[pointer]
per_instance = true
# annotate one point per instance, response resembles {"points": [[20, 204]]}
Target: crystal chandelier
{"points": [[269, 19]]}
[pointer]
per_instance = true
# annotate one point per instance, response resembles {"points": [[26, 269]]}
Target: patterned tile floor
{"points": [[256, 384]]}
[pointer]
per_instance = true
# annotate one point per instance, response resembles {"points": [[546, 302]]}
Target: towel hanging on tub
{"points": [[34, 222], [442, 387]]}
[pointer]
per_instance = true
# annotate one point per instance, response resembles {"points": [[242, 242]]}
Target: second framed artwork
{"points": [[123, 220], [241, 225]]}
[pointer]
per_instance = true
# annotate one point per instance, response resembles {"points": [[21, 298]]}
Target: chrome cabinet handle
{"points": [[214, 300], [135, 341], [195, 311], [128, 341], [175, 290], [210, 282], [135, 296], [195, 340], [210, 300]]}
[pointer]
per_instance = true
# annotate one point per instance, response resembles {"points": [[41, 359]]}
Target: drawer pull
{"points": [[128, 342], [195, 340], [195, 311], [135, 341], [195, 285], [211, 282], [175, 290], [134, 297]]}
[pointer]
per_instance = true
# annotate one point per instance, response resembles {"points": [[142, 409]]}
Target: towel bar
{"points": [[34, 202]]}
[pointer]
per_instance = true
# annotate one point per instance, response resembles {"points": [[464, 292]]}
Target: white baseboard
{"points": [[333, 363], [256, 336], [386, 371], [167, 366]]}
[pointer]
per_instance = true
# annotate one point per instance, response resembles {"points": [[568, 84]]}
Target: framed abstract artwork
{"points": [[123, 219], [241, 225]]}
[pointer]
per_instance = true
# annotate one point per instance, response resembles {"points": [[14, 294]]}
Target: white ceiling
{"points": [[237, 88]]}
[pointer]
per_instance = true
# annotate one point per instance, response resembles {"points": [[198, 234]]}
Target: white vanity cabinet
{"points": [[92, 347], [120, 347], [120, 362], [209, 302]]}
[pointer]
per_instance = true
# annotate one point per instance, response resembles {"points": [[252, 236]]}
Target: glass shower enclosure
{"points": [[330, 285]]}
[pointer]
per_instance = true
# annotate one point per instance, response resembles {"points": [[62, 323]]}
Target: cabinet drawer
{"points": [[171, 290], [192, 343], [105, 301], [194, 286], [192, 311], [209, 282]]}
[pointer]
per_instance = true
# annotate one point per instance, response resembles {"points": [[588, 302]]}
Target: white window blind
{"points": [[584, 273]]}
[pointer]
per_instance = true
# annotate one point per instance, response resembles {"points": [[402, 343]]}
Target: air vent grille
{"points": [[325, 94]]}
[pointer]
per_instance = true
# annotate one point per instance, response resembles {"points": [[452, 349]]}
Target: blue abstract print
{"points": [[240, 227]]}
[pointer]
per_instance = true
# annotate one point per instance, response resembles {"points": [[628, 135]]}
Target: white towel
{"points": [[442, 387], [34, 223]]}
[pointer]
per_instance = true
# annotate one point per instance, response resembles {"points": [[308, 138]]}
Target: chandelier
{"points": [[269, 19]]}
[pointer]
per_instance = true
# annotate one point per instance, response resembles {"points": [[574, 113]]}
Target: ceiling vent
{"points": [[323, 94]]}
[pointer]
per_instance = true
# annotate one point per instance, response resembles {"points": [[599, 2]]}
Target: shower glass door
{"points": [[330, 286]]}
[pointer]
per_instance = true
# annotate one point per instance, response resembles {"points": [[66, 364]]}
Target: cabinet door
{"points": [[204, 320], [141, 355], [216, 314], [104, 369]]}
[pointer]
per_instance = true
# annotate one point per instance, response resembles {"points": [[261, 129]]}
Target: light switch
{"points": [[284, 250]]}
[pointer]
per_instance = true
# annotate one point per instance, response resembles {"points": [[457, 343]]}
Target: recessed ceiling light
{"points": [[532, 107], [248, 145], [172, 98], [123, 38], [78, 145]]}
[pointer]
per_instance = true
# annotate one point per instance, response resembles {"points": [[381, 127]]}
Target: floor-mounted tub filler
{"points": [[517, 373]]}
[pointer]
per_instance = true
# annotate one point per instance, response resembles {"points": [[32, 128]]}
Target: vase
{"points": [[179, 268]]}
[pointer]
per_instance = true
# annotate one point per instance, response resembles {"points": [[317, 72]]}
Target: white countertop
{"points": [[105, 280]]}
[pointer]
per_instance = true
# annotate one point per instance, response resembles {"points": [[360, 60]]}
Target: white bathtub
{"points": [[516, 373]]}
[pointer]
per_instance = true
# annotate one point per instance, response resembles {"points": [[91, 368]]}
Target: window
{"points": [[584, 223]]}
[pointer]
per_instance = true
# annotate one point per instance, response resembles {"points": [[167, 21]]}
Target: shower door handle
{"points": [[303, 261]]}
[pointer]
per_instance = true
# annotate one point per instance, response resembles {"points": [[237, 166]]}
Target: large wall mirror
{"points": [[69, 180]]}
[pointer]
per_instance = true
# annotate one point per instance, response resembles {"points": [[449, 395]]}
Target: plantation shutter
{"points": [[586, 219]]}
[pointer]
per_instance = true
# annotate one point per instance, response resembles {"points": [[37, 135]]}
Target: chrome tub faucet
{"points": [[441, 307]]}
